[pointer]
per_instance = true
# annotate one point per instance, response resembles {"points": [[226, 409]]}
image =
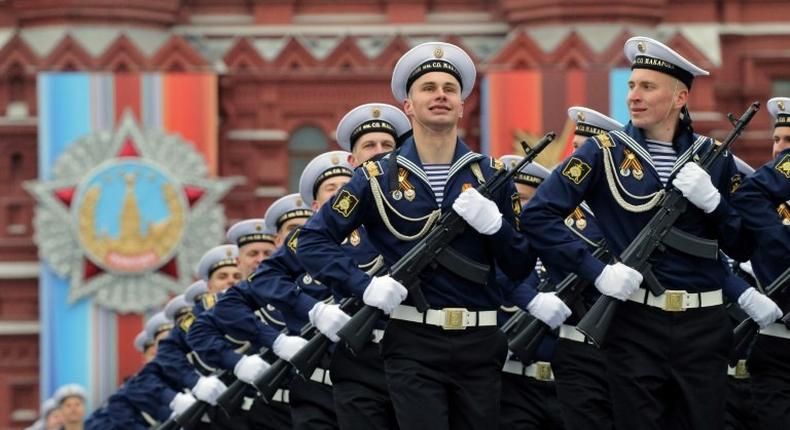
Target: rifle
{"points": [[408, 268], [528, 338], [658, 233], [744, 333], [190, 417]]}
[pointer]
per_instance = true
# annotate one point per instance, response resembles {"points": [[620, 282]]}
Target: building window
{"points": [[781, 88], [305, 143]]}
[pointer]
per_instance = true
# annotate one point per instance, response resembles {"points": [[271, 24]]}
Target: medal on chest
{"points": [[631, 165]]}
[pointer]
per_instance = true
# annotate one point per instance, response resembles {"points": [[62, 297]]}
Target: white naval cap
{"points": [[646, 53], [69, 390], [325, 166], [590, 122], [195, 291], [433, 57], [249, 231], [744, 168], [217, 257], [779, 108], [157, 324], [176, 306], [532, 174], [47, 407], [369, 118], [285, 208], [142, 341]]}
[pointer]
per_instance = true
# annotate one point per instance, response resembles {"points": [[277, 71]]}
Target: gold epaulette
{"points": [[603, 141], [372, 169]]}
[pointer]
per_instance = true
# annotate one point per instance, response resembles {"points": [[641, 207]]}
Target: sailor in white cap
{"points": [[621, 174], [286, 214], [158, 326], [397, 199], [255, 241], [371, 129], [763, 200], [590, 122], [218, 267], [144, 344], [71, 399]]}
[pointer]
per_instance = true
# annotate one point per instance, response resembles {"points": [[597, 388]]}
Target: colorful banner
{"points": [[525, 104], [131, 137]]}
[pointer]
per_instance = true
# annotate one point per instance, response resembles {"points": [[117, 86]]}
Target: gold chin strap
{"points": [[381, 201], [615, 186]]}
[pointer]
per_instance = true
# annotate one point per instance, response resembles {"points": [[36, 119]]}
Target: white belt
{"points": [[377, 335], [539, 370], [739, 371], [569, 332], [322, 376], [776, 330], [677, 300], [447, 318], [282, 396]]}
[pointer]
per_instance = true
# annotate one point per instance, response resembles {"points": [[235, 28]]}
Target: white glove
{"points": [[385, 293], [548, 308], [618, 281], [759, 307], [286, 346], [328, 319], [208, 388], [249, 368], [181, 402], [695, 184], [746, 266], [480, 213]]}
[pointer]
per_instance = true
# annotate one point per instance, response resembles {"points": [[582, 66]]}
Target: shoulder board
{"points": [[603, 141], [372, 169], [209, 300], [293, 242], [186, 321]]}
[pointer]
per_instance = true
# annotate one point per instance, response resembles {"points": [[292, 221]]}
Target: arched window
{"points": [[305, 143]]}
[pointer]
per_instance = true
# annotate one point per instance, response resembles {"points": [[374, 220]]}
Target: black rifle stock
{"points": [[595, 323], [744, 333], [408, 268], [528, 338]]}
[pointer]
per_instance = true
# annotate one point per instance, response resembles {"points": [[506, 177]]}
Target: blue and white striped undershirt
{"points": [[664, 157], [437, 178]]}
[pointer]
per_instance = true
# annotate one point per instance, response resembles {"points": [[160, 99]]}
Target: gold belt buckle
{"points": [[542, 371], [741, 372], [675, 301], [454, 318]]}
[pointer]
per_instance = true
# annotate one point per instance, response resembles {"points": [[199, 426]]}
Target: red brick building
{"points": [[290, 69]]}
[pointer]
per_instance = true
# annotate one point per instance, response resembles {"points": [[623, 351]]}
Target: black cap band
{"points": [[330, 173], [782, 120], [659, 65], [372, 126], [298, 213], [526, 179], [587, 130], [225, 262], [255, 237], [435, 65]]}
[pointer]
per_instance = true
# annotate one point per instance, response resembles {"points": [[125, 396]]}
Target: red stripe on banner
{"points": [[189, 101], [127, 95], [515, 109], [575, 95]]}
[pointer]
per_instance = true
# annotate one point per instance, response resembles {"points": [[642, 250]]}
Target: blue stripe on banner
{"points": [[64, 115], [152, 101], [618, 91], [485, 127]]}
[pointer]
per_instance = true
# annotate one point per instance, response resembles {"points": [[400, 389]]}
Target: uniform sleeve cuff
{"points": [[722, 210], [304, 304], [229, 359], [591, 268]]}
